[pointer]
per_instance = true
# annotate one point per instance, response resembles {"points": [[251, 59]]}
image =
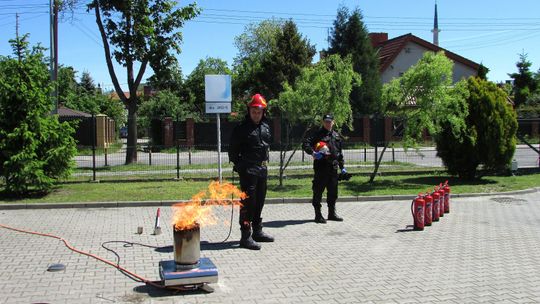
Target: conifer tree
{"points": [[350, 37]]}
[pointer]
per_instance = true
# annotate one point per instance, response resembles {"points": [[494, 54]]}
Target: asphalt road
{"points": [[525, 156]]}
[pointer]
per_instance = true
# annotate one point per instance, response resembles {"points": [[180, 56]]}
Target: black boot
{"points": [[319, 219], [259, 235], [247, 241], [332, 215]]}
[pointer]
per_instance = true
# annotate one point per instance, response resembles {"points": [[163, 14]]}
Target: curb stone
{"points": [[285, 200]]}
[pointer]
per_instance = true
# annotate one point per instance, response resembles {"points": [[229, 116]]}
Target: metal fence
{"points": [[177, 149], [201, 161]]}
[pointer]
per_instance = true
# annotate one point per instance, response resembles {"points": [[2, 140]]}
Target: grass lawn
{"points": [[293, 187]]}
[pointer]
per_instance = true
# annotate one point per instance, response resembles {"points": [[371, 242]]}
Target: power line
{"points": [[308, 20], [98, 37], [88, 35], [516, 39], [238, 17], [24, 13], [22, 19], [487, 39], [393, 18], [263, 12]]}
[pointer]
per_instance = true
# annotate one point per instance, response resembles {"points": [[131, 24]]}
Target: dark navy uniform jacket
{"points": [[250, 145], [333, 140]]}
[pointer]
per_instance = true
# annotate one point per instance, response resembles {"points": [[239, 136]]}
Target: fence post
{"points": [[393, 155], [189, 155], [376, 152], [94, 147], [105, 150], [149, 155], [177, 160], [365, 154], [177, 151]]}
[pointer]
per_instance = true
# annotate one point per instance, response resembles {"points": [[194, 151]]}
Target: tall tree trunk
{"points": [[133, 82], [131, 152]]}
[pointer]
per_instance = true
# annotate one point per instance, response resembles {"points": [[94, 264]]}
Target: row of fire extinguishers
{"points": [[429, 207]]}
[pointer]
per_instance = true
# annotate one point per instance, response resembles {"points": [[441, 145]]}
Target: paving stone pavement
{"points": [[487, 250]]}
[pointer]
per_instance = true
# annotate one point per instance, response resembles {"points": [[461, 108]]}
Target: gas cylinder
{"points": [[436, 200], [417, 209], [441, 200], [428, 214], [446, 197]]}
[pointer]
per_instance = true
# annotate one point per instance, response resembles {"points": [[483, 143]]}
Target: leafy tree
{"points": [[350, 37], [36, 149], [164, 104], [506, 87], [143, 31], [98, 103], [322, 88], [254, 44], [67, 84], [424, 99], [194, 85], [531, 108], [84, 97], [170, 78], [489, 138], [524, 82]]}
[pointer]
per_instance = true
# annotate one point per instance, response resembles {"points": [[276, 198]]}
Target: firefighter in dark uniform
{"points": [[249, 151], [325, 146]]}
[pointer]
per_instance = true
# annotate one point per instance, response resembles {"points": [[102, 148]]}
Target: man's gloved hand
{"points": [[318, 155], [344, 175]]}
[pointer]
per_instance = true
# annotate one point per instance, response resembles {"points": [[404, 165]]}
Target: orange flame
{"points": [[198, 211]]}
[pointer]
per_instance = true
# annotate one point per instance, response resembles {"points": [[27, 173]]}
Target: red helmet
{"points": [[322, 147], [257, 101]]}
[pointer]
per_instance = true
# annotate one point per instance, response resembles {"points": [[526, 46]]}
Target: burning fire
{"points": [[198, 211]]}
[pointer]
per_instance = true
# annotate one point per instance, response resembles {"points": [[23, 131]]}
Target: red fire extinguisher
{"points": [[441, 200], [446, 197], [436, 200], [417, 209], [428, 214]]}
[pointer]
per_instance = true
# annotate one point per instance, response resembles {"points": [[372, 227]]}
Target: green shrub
{"points": [[36, 149], [490, 138]]}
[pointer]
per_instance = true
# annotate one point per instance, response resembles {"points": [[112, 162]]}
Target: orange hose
{"points": [[144, 280]]}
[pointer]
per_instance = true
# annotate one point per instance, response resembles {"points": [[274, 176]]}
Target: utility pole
{"points": [[54, 50], [17, 36], [17, 25]]}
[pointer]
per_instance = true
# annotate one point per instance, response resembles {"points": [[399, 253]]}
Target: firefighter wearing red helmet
{"points": [[249, 151], [257, 101], [324, 145]]}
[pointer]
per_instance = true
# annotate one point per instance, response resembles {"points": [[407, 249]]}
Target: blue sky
{"points": [[491, 32]]}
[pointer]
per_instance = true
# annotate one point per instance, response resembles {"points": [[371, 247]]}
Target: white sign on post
{"points": [[217, 93], [218, 96]]}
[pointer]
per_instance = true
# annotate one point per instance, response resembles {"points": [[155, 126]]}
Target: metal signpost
{"points": [[218, 97]]}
